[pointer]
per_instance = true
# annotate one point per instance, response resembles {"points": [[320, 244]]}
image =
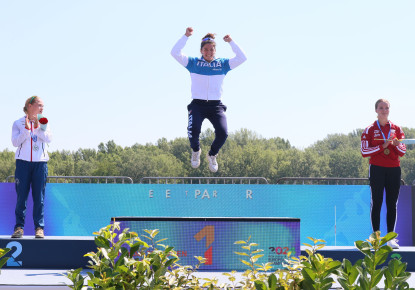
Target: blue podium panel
{"points": [[47, 253], [339, 214], [214, 238]]}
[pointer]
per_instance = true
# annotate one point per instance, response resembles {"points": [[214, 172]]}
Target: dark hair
{"points": [[381, 101], [30, 100], [209, 38]]}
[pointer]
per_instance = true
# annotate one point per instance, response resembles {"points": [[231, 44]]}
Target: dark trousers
{"points": [[386, 179], [214, 111], [30, 174]]}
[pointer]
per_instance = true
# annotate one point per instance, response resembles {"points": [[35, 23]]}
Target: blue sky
{"points": [[104, 69]]}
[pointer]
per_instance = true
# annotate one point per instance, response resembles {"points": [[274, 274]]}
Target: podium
{"points": [[48, 253], [214, 238]]}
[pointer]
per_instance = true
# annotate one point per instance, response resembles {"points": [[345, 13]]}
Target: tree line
{"points": [[245, 154]]}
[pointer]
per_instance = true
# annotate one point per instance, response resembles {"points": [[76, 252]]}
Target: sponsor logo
{"points": [[277, 255], [280, 250], [181, 253], [189, 127], [396, 256], [213, 64], [207, 232]]}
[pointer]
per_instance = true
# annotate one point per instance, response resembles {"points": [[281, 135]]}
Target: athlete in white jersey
{"points": [[207, 74]]}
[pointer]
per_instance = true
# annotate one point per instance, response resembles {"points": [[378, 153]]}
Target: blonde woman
{"points": [[30, 134], [380, 142]]}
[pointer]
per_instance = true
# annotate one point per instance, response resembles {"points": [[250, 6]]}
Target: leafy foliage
{"points": [[245, 153], [126, 261], [4, 259], [366, 273], [317, 270]]}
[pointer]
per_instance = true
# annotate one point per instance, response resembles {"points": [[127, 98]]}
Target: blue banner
{"points": [[339, 214]]}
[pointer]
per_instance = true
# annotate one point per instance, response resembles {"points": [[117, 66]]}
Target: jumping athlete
{"points": [[380, 142], [207, 74], [30, 134]]}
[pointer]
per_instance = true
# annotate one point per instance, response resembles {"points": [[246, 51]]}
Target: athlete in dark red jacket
{"points": [[380, 142]]}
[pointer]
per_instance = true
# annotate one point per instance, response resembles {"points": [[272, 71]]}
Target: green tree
{"points": [[245, 154], [7, 164]]}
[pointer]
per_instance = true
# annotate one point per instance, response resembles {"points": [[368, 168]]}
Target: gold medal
{"points": [[386, 151]]}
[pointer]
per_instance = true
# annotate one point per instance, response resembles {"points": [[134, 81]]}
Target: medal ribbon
{"points": [[33, 136], [389, 134]]}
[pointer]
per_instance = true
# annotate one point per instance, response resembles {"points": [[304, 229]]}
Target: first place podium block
{"points": [[214, 238], [52, 252]]}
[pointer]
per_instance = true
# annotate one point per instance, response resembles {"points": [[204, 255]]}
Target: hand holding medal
{"points": [[388, 141], [396, 142], [385, 145]]}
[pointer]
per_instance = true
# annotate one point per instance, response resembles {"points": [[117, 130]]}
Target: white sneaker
{"points": [[213, 165], [393, 244], [196, 158]]}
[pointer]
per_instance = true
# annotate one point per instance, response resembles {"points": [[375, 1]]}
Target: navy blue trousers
{"points": [[386, 179], [30, 174], [214, 111]]}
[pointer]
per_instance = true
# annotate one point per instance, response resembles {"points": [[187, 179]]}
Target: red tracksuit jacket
{"points": [[373, 148]]}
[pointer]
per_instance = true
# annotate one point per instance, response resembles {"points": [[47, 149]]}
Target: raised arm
{"points": [[240, 56], [176, 51]]}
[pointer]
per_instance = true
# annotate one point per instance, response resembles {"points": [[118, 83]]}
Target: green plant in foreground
{"points": [[366, 274], [395, 275], [4, 259], [124, 261], [251, 256], [183, 275], [289, 277], [256, 277], [317, 270]]}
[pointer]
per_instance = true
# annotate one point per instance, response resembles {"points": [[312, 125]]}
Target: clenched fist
{"points": [[227, 38], [189, 31]]}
